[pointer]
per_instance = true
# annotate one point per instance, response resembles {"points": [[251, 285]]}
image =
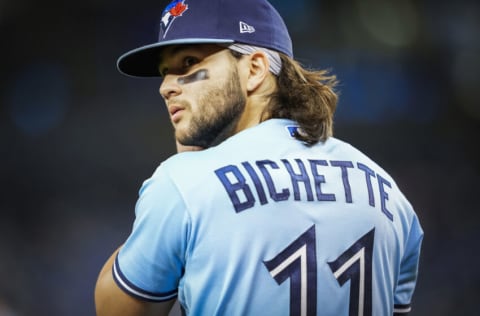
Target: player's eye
{"points": [[181, 68], [189, 61]]}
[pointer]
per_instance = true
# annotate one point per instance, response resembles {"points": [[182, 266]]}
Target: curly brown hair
{"points": [[307, 97]]}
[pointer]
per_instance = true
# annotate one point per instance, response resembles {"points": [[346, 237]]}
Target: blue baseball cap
{"points": [[251, 22]]}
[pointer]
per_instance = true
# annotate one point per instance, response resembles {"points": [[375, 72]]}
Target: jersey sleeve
{"points": [[151, 262], [408, 270]]}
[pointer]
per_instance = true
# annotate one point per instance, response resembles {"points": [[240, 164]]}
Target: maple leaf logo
{"points": [[178, 9], [174, 10]]}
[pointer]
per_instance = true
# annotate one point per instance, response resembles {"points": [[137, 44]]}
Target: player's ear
{"points": [[258, 70]]}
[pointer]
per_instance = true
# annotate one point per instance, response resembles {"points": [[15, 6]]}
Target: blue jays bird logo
{"points": [[175, 9]]}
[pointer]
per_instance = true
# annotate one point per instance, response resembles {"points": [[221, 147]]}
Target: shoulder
{"points": [[188, 163], [159, 193], [345, 149], [369, 167], [239, 146]]}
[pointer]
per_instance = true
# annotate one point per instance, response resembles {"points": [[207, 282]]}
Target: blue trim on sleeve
{"points": [[401, 309], [133, 290]]}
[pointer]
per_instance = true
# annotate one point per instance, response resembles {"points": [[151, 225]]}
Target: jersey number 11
{"points": [[298, 262]]}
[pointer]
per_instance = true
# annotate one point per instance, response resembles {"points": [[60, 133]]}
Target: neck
{"points": [[257, 103], [252, 114]]}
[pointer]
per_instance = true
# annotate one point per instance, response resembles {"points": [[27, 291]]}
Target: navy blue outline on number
{"points": [[352, 273], [293, 272], [347, 267]]}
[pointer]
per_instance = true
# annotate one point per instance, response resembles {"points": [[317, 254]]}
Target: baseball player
{"points": [[262, 211]]}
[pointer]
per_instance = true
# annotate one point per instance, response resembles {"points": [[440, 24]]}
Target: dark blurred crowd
{"points": [[78, 139]]}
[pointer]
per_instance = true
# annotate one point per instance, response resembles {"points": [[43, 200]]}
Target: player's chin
{"points": [[183, 148], [181, 128], [182, 137]]}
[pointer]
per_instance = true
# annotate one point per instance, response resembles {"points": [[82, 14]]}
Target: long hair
{"points": [[307, 97]]}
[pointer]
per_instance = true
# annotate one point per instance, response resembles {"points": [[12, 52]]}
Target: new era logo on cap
{"points": [[245, 28]]}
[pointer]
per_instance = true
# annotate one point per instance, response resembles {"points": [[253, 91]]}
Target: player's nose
{"points": [[170, 87]]}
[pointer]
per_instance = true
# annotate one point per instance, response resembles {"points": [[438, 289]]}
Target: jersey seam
{"points": [[187, 211]]}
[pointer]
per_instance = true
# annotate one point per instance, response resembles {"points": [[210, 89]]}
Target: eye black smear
{"points": [[201, 74]]}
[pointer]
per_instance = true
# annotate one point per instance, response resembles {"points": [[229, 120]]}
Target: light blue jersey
{"points": [[265, 225]]}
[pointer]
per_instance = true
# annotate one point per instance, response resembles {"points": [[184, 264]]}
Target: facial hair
{"points": [[220, 110]]}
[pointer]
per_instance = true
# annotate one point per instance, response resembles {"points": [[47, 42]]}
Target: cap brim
{"points": [[143, 61]]}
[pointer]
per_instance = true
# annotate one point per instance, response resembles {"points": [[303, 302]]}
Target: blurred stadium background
{"points": [[77, 138]]}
